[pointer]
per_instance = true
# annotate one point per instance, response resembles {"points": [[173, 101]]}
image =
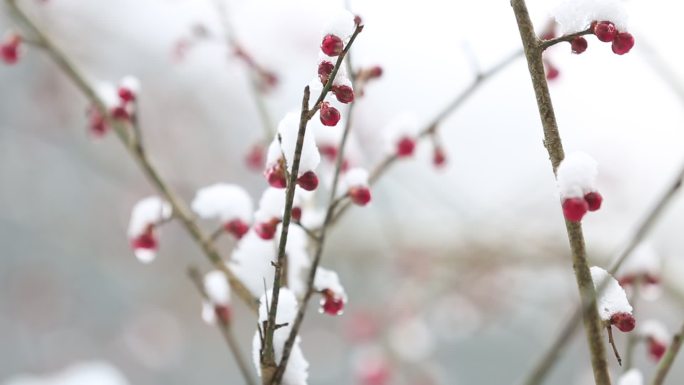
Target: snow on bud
{"points": [[10, 48], [218, 292], [576, 179], [339, 29], [657, 337], [297, 370], [577, 15], [251, 261], [288, 129], [146, 215], [612, 303], [229, 203], [129, 88], [271, 209], [631, 377], [643, 267], [355, 181], [275, 172], [334, 298], [400, 134]]}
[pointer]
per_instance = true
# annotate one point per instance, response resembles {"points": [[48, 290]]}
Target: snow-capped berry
{"points": [[10, 49], [129, 87], [227, 202], [276, 176], [594, 200], [266, 230], [329, 115], [642, 267], [145, 240], [612, 304], [145, 216], [605, 31], [574, 209], [579, 45], [405, 146], [332, 45], [343, 93], [285, 142], [360, 195], [332, 305], [623, 43], [325, 68], [657, 336], [438, 156], [218, 293], [623, 321], [237, 227], [308, 181]]}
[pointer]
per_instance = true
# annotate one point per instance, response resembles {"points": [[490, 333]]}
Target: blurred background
{"points": [[456, 275]]}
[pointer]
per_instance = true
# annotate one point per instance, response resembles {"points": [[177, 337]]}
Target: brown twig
{"points": [[180, 209], [569, 37], [611, 341], [542, 368], [381, 168], [533, 52], [225, 328], [667, 360], [271, 371]]}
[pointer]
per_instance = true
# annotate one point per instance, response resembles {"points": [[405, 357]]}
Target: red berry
{"points": [[296, 213], [579, 45], [328, 151], [308, 181], [329, 115], [626, 280], [623, 42], [276, 176], [237, 227], [651, 279], [96, 122], [266, 230], [438, 157], [146, 240], [360, 195], [358, 20], [405, 146], [223, 313], [121, 113], [9, 50], [623, 321], [656, 349], [330, 304], [551, 72], [325, 68], [605, 31], [332, 45], [574, 209], [255, 157], [126, 95], [594, 200], [344, 94], [376, 72]]}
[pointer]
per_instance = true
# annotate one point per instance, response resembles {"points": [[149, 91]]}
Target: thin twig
{"points": [[225, 328], [552, 141], [550, 357], [381, 168], [569, 37], [667, 360], [180, 209], [271, 373], [611, 341]]}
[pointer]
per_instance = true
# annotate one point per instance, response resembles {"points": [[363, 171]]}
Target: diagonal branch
{"points": [[552, 141], [667, 360], [271, 373], [226, 330], [180, 209]]}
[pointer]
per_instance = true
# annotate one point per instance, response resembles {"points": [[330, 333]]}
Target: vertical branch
{"points": [[552, 141], [667, 360]]}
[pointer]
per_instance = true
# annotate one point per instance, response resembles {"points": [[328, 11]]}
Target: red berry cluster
{"points": [[574, 209], [276, 176], [605, 31], [10, 49]]}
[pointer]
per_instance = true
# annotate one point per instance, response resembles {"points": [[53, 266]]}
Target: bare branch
{"points": [[569, 37]]}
